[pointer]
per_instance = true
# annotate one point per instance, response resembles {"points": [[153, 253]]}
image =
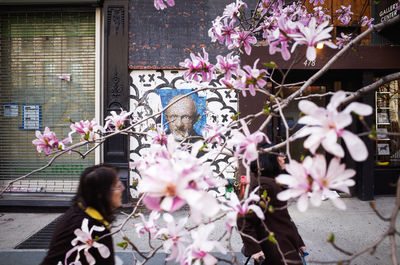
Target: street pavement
{"points": [[354, 229]]}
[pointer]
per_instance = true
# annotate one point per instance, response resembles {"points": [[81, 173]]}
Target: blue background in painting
{"points": [[167, 94]]}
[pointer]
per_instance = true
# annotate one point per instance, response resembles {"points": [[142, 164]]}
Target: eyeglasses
{"points": [[119, 186], [184, 118]]}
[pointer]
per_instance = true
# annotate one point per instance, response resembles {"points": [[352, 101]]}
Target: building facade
{"points": [[73, 60]]}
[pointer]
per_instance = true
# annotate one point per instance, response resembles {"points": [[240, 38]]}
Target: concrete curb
{"points": [[31, 257]]}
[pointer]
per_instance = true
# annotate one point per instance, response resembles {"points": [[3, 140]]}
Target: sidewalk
{"points": [[354, 229]]}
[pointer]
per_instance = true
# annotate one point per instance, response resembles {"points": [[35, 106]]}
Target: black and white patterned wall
{"points": [[150, 92]]}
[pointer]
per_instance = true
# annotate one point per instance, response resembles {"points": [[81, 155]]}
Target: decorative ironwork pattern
{"points": [[145, 86]]}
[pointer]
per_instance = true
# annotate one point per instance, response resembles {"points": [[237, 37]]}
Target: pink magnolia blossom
{"points": [[215, 30], [159, 135], [87, 129], [213, 134], [243, 39], [337, 177], [232, 10], [198, 66], [117, 121], [177, 237], [228, 65], [198, 252], [278, 38], [251, 78], [366, 22], [184, 179], [84, 236], [341, 41], [47, 141], [324, 126], [268, 6], [344, 14], [311, 35], [297, 181], [235, 208], [316, 2], [320, 15], [159, 4], [149, 225], [226, 32], [311, 181], [246, 143]]}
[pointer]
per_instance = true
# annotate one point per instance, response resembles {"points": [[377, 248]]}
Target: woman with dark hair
{"points": [[87, 220], [277, 218]]}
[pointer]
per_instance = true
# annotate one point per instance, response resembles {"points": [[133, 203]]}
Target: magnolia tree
{"points": [[177, 174]]}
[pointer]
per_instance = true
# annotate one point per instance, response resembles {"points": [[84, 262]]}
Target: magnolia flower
{"points": [[148, 226], [320, 15], [184, 179], [225, 32], [324, 126], [311, 179], [198, 66], [159, 4], [213, 134], [366, 22], [344, 14], [232, 10], [159, 135], [311, 35], [87, 129], [341, 41], [47, 141], [297, 181], [235, 207], [316, 2], [197, 252], [117, 120], [228, 65], [247, 143], [244, 39], [251, 78], [176, 237], [84, 236], [337, 177], [278, 38]]}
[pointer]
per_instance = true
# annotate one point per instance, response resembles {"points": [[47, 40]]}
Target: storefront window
{"points": [[387, 125], [47, 76]]}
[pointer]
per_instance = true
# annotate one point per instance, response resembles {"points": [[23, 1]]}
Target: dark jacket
{"points": [[278, 222], [64, 234]]}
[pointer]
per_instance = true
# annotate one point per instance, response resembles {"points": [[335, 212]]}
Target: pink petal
{"points": [[355, 145], [89, 258], [257, 210], [336, 100], [311, 53], [103, 250], [359, 108], [153, 203], [307, 106], [302, 203]]}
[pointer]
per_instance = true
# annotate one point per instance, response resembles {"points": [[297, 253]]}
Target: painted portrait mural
{"points": [[152, 90], [187, 117]]}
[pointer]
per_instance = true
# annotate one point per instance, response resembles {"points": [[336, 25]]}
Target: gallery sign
{"points": [[385, 10]]}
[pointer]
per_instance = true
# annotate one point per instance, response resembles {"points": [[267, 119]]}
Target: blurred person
{"points": [[99, 194], [277, 221]]}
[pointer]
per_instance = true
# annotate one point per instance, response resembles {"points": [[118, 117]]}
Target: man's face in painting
{"points": [[181, 117]]}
